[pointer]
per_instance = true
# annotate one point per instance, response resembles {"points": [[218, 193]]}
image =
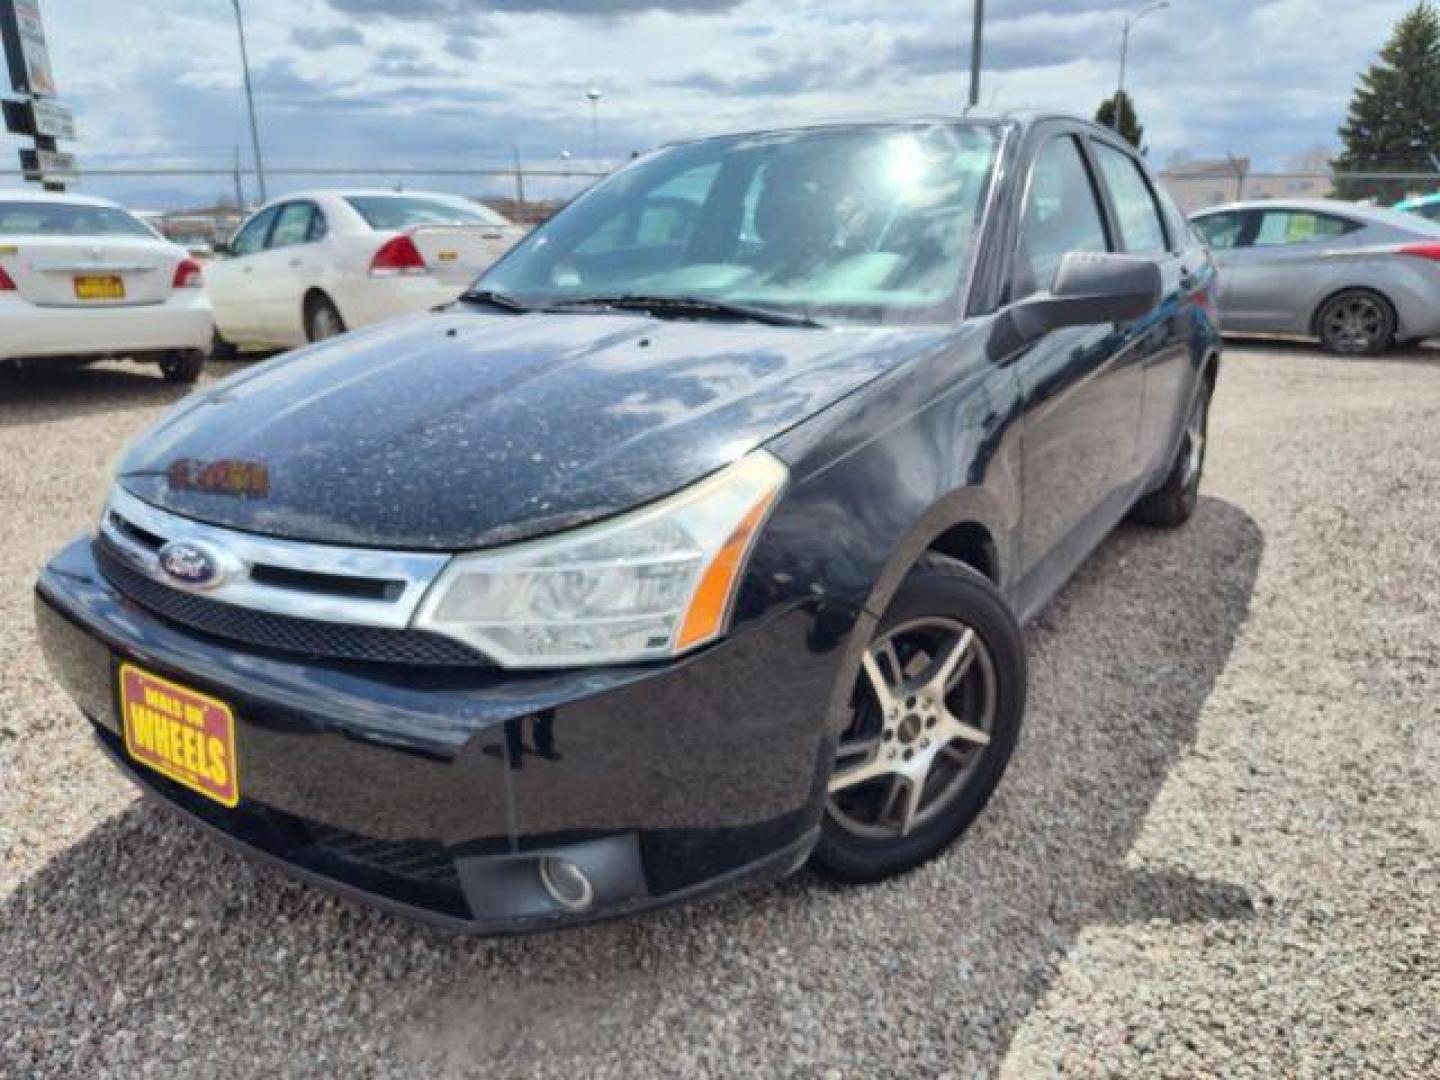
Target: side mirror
{"points": [[1089, 290], [221, 248]]}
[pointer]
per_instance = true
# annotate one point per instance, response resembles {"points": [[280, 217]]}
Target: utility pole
{"points": [[519, 177], [977, 51], [250, 102], [239, 185]]}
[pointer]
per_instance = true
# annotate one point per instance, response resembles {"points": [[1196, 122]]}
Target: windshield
{"points": [[67, 219], [399, 212], [863, 224]]}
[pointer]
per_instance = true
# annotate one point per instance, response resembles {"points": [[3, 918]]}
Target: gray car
{"points": [[1359, 278]]}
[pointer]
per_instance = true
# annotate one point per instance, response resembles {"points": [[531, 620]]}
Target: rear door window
{"points": [[1062, 214], [1281, 228], [1142, 228], [292, 226]]}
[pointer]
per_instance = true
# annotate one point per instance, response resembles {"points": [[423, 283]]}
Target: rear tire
{"points": [[183, 367], [322, 319], [1357, 322], [1173, 503], [953, 661], [223, 351]]}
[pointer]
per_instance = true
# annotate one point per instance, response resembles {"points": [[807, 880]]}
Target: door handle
{"points": [[247, 269], [294, 262]]}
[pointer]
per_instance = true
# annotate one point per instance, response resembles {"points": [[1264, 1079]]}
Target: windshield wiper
{"points": [[694, 307], [494, 299]]}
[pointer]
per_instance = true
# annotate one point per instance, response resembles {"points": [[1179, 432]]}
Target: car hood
{"points": [[463, 429]]}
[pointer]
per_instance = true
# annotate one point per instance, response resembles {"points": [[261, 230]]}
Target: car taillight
{"points": [[188, 275], [1429, 251], [6, 284], [398, 255]]}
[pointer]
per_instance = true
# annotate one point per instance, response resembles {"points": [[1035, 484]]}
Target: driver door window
{"points": [[1062, 214]]}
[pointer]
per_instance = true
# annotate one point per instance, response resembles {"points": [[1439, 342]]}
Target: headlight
{"points": [[645, 586]]}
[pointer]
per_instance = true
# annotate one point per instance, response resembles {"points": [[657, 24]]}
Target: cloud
{"points": [[420, 82], [311, 37], [451, 9]]}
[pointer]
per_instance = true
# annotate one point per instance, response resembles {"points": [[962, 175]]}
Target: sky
{"points": [[376, 84]]}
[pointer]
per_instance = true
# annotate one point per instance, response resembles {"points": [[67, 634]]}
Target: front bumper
{"points": [[182, 323], [436, 793]]}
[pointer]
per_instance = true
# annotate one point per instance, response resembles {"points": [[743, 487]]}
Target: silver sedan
{"points": [[1359, 278]]}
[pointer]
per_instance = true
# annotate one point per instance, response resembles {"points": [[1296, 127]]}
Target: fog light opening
{"points": [[566, 883]]}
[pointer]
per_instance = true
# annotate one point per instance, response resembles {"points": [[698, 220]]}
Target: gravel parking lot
{"points": [[1217, 850]]}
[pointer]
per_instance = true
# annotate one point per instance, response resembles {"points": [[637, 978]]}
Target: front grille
{"points": [[284, 633]]}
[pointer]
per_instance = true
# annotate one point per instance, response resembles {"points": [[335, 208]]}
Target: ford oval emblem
{"points": [[192, 564]]}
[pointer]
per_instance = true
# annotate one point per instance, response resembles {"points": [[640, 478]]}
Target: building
{"points": [[1201, 183]]}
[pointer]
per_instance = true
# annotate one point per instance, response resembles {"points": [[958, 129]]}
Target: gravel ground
{"points": [[1217, 850]]}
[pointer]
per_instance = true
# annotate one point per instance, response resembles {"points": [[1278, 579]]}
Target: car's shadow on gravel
{"points": [[143, 929]]}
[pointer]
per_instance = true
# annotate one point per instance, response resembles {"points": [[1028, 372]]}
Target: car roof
{"points": [[1021, 118], [1418, 200], [58, 197]]}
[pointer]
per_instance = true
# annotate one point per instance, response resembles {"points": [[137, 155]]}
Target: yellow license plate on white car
{"points": [[100, 287]]}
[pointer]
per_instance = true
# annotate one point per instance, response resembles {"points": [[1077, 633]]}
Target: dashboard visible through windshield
{"points": [[870, 225]]}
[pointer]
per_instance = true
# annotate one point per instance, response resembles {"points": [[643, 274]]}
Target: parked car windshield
{"points": [[397, 212], [68, 219], [869, 224]]}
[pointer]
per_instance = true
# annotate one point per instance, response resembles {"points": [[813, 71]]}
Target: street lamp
{"points": [[250, 101], [594, 96], [1130, 21]]}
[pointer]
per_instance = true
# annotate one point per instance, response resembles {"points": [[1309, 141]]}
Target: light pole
{"points": [[594, 96], [1130, 21], [977, 49], [250, 101]]}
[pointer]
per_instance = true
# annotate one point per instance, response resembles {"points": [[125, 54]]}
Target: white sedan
{"points": [[318, 263], [82, 279]]}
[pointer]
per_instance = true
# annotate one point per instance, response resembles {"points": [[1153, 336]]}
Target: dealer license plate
{"points": [[180, 733]]}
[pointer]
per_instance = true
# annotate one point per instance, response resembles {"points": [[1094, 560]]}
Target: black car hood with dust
{"points": [[466, 429]]}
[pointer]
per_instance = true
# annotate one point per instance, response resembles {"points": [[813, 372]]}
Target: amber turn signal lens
{"points": [[710, 608]]}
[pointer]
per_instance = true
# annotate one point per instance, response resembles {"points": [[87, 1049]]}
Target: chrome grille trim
{"points": [[410, 574]]}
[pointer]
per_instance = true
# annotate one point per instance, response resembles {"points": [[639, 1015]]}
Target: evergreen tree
{"points": [[1394, 120], [1129, 127]]}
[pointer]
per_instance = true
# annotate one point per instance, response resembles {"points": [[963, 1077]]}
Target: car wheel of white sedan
{"points": [[322, 320]]}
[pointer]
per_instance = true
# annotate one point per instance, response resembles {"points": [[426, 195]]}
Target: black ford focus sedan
{"points": [[690, 546]]}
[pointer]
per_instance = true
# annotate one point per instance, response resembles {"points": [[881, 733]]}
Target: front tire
{"points": [[182, 367], [1357, 322], [934, 718]]}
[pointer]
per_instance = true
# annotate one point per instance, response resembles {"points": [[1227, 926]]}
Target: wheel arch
{"points": [[968, 525]]}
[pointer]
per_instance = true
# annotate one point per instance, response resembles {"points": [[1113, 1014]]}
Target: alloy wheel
{"points": [[1354, 324], [923, 716]]}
